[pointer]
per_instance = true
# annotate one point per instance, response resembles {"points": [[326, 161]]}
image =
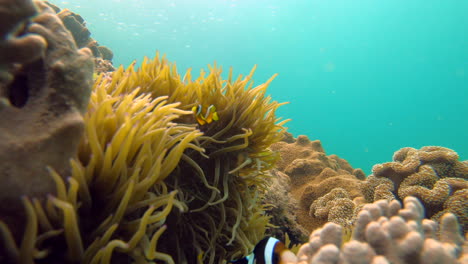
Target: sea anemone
{"points": [[150, 183]]}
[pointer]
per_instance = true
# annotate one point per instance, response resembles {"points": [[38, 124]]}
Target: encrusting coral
{"points": [[432, 174], [45, 86]]}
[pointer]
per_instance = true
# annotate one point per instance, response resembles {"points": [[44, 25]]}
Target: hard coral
{"points": [[335, 206], [407, 161], [456, 204], [375, 188], [46, 89], [433, 174], [313, 174], [387, 233]]}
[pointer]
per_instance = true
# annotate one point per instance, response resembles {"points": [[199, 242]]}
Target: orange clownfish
{"points": [[209, 115]]}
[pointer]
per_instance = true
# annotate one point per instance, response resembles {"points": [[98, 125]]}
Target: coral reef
{"points": [[125, 173], [329, 190], [313, 174], [45, 87], [432, 174], [386, 233]]}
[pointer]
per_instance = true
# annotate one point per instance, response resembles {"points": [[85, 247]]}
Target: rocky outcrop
{"points": [[41, 104]]}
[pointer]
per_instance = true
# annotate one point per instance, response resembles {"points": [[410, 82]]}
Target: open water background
{"points": [[366, 77]]}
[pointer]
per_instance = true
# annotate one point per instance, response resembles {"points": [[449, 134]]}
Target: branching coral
{"points": [[432, 174]]}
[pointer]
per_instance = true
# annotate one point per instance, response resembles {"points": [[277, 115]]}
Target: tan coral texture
{"points": [[434, 175], [314, 174]]}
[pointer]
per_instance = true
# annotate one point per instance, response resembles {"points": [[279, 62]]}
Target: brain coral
{"points": [[432, 174]]}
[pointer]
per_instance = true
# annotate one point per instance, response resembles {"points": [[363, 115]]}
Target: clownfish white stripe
{"points": [[209, 110], [199, 109], [269, 249]]}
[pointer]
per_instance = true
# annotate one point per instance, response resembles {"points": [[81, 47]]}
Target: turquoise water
{"points": [[365, 77]]}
